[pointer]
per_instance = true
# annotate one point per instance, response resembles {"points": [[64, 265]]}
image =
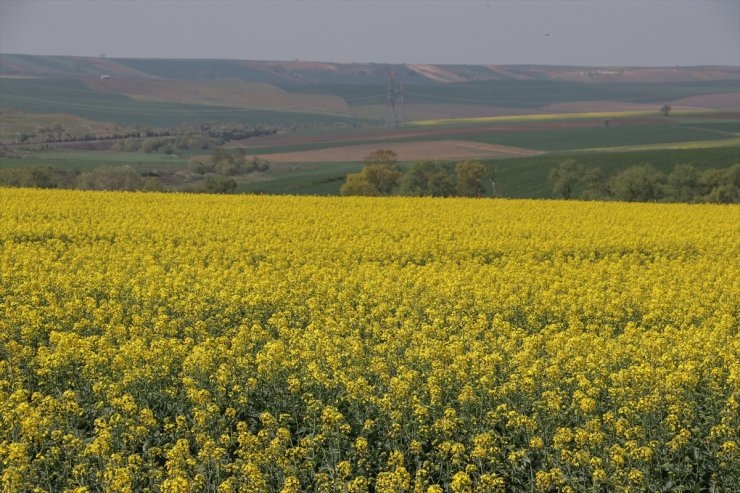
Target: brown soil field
{"points": [[507, 73], [724, 101], [220, 93], [436, 73], [406, 151]]}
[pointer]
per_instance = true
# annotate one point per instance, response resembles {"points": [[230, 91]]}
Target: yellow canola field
{"points": [[545, 117], [182, 343]]}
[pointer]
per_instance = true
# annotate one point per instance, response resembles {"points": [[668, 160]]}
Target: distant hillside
{"points": [[169, 92], [276, 72]]}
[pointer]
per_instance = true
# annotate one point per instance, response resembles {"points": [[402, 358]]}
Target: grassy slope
{"points": [[93, 159], [71, 96], [12, 122], [518, 177], [591, 137], [519, 94], [673, 130]]}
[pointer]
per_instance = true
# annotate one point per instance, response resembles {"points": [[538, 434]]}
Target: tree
{"points": [[357, 184], [665, 110], [220, 184], [683, 184], [428, 178], [639, 184], [565, 178], [224, 162], [202, 165], [595, 185], [382, 156], [111, 178], [721, 186], [374, 179], [470, 178], [382, 177]]}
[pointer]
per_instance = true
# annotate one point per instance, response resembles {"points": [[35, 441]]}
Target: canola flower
{"points": [[175, 343]]}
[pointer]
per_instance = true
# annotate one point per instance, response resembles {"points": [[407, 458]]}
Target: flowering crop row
{"points": [[173, 343]]}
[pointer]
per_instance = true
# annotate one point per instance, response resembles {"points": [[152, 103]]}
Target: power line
{"points": [[394, 116]]}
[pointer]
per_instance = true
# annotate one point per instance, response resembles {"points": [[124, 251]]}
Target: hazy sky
{"points": [[585, 32]]}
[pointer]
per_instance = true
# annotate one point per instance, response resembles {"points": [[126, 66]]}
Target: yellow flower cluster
{"points": [[175, 343]]}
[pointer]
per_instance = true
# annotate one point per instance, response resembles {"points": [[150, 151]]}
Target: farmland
{"points": [[323, 119], [181, 343]]}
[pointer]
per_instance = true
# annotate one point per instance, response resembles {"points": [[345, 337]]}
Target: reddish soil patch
{"points": [[407, 151]]}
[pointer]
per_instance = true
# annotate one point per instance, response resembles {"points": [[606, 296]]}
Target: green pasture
{"points": [[74, 97], [563, 139], [522, 177], [517, 93], [591, 137], [92, 159], [306, 179]]}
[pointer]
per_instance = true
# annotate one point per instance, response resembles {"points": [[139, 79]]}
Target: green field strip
{"points": [[698, 144], [563, 139], [69, 96]]}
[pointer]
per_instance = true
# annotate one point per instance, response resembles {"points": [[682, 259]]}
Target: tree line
{"points": [[215, 175], [382, 177], [147, 139], [644, 183]]}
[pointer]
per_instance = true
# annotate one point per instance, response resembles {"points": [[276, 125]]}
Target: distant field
{"points": [[520, 177], [93, 159], [235, 94], [406, 151], [305, 179], [549, 135], [591, 137], [527, 177], [74, 97], [329, 115], [13, 122], [541, 117]]}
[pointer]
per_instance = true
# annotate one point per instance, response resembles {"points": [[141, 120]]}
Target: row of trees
{"points": [[101, 178], [380, 176], [123, 178], [136, 138], [167, 145], [228, 164], [644, 183], [203, 136], [214, 175]]}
